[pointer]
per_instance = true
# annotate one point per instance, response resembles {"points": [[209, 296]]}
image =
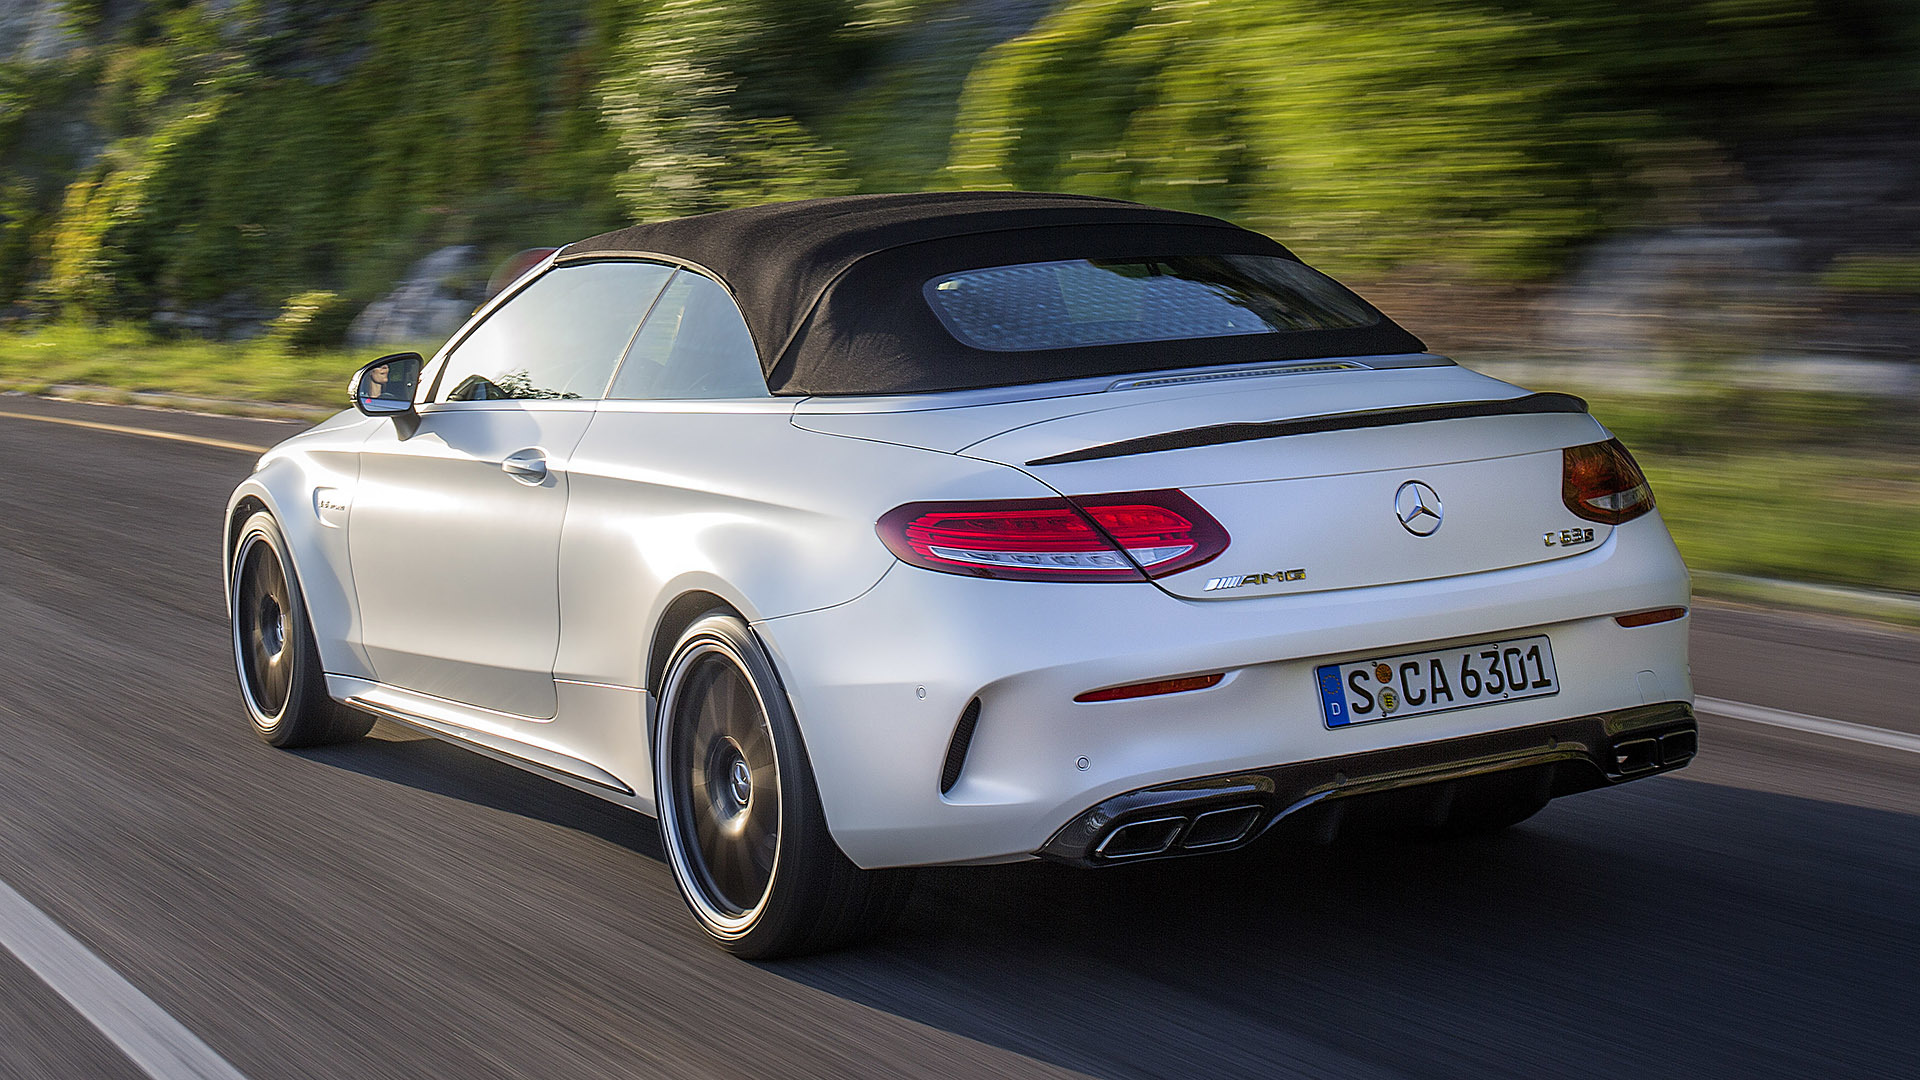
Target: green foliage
{"points": [[710, 100], [132, 358], [1491, 134], [311, 320], [19, 221], [1839, 517], [193, 153], [248, 168], [84, 14], [106, 256], [1894, 274], [895, 126]]}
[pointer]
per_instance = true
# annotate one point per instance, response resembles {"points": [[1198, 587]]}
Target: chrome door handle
{"points": [[527, 466]]}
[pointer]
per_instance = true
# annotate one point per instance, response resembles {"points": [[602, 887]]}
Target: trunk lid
{"points": [[1306, 510]]}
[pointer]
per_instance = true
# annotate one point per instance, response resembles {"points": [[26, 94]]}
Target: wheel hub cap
{"points": [[273, 627], [742, 783], [262, 631], [729, 784]]}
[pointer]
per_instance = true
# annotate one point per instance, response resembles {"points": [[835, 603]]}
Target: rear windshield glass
{"points": [[1075, 302]]}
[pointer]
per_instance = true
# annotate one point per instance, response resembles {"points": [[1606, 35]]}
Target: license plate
{"points": [[1415, 684]]}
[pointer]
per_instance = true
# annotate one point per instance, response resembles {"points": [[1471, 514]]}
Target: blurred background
{"points": [[1702, 214]]}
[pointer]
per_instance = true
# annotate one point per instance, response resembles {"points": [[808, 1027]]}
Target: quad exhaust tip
{"points": [[1140, 838], [1156, 836], [1636, 756], [1218, 828]]}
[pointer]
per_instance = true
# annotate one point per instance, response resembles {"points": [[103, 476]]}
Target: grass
{"points": [[1799, 486], [1838, 518], [264, 370], [1804, 486]]}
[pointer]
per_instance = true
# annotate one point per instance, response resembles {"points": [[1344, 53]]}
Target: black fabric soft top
{"points": [[831, 288]]}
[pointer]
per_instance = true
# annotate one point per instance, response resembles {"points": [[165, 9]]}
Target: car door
{"points": [[652, 479], [454, 535]]}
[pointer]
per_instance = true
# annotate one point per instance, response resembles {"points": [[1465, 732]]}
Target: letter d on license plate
{"points": [[1440, 680]]}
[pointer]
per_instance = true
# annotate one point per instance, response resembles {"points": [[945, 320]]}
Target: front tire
{"points": [[281, 680], [739, 815]]}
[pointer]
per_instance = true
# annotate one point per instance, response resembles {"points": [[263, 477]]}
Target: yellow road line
{"points": [[197, 440]]}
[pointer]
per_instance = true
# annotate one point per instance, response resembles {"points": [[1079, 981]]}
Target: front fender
{"points": [[289, 483]]}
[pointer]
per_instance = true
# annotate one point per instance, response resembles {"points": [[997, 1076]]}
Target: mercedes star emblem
{"points": [[1418, 508]]}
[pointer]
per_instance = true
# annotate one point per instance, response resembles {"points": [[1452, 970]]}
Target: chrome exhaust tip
{"points": [[1636, 756], [1678, 747], [1218, 828], [1138, 839]]}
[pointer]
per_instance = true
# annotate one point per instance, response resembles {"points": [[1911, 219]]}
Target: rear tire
{"points": [[281, 681], [739, 815]]}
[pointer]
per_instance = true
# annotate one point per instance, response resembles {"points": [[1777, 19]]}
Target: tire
{"points": [[281, 681], [739, 815]]}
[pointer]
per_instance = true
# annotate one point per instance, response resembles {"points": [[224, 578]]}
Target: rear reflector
{"points": [[1601, 482], [1648, 618], [1150, 689], [1090, 538]]}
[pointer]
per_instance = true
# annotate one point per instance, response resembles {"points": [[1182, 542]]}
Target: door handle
{"points": [[528, 466]]}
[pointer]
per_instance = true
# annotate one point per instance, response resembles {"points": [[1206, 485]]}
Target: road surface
{"points": [[402, 908]]}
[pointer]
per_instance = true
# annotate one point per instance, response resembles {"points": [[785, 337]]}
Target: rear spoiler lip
{"points": [[1217, 434]]}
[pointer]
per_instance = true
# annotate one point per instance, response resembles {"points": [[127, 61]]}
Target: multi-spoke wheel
{"points": [[280, 678], [739, 818]]}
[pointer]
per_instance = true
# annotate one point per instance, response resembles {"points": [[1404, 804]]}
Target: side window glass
{"points": [[560, 337], [693, 345]]}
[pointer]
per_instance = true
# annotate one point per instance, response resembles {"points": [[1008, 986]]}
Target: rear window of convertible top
{"points": [[1080, 302]]}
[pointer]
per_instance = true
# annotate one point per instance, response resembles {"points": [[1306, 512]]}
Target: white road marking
{"points": [[151, 1039], [174, 436], [1818, 725]]}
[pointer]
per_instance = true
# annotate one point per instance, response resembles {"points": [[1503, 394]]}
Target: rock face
{"points": [[1666, 294], [424, 307], [234, 317], [34, 30]]}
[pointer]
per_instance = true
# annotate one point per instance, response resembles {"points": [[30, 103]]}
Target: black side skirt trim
{"points": [[1217, 434]]}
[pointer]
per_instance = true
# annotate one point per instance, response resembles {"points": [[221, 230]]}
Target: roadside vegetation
{"points": [[1776, 484], [188, 154], [269, 167], [1766, 484]]}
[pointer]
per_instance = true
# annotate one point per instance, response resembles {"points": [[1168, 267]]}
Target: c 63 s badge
{"points": [[1567, 537], [1241, 581]]}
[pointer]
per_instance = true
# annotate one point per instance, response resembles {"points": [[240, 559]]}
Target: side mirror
{"points": [[386, 387]]}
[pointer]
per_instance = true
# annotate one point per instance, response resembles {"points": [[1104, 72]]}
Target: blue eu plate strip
{"points": [[1333, 696]]}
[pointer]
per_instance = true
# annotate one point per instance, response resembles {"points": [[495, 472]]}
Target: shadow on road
{"points": [[1670, 928], [402, 757], [1622, 933]]}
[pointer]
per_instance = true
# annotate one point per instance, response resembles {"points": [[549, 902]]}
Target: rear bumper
{"points": [[1219, 813], [882, 687]]}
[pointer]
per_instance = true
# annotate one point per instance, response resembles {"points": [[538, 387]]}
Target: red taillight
{"points": [[1601, 482], [1088, 538]]}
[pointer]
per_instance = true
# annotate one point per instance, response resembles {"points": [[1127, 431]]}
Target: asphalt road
{"points": [[401, 908]]}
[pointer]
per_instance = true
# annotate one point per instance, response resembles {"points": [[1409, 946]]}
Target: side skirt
{"points": [[479, 730]]}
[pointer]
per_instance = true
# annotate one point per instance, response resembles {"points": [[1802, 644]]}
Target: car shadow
{"points": [[1672, 927], [1683, 929], [401, 756]]}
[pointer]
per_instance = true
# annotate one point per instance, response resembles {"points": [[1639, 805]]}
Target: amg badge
{"points": [[1242, 580]]}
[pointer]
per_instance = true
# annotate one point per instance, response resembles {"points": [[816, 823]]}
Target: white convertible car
{"points": [[861, 534]]}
